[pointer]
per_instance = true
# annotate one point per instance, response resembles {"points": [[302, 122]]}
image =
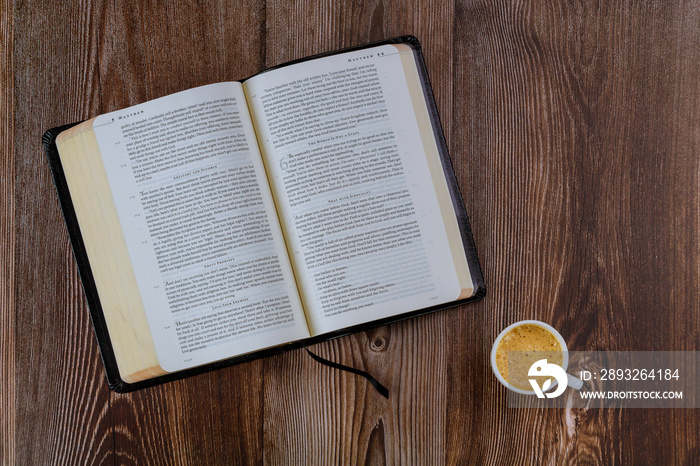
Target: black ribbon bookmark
{"points": [[380, 388]]}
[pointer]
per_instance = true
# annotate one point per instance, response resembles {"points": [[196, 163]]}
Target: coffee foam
{"points": [[521, 347]]}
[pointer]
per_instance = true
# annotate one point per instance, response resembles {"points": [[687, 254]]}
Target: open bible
{"points": [[239, 219]]}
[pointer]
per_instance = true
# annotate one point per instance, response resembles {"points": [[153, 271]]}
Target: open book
{"points": [[238, 219]]}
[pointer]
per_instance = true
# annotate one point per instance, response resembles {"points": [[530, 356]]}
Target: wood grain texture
{"points": [[643, 99], [581, 125], [520, 139], [7, 236], [574, 130], [62, 400]]}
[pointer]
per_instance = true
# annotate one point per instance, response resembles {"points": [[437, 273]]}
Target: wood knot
{"points": [[378, 344]]}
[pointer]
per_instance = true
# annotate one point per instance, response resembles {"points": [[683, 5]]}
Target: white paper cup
{"points": [[573, 382]]}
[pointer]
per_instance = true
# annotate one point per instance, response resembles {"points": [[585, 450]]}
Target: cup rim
{"points": [[546, 326]]}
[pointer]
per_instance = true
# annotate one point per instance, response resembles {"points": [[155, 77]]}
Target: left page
{"points": [[199, 222]]}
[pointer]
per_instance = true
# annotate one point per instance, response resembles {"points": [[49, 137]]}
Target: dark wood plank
{"points": [[62, 400], [644, 102], [520, 112], [209, 419], [7, 236], [324, 416], [171, 46], [320, 415], [580, 143]]}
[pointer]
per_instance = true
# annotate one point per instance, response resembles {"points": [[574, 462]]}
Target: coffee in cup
{"points": [[522, 344]]}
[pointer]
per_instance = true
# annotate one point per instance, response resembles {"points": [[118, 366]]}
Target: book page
{"points": [[345, 158], [199, 221]]}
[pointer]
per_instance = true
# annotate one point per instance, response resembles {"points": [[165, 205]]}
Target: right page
{"points": [[358, 183]]}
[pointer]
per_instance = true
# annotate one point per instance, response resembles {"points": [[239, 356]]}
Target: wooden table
{"points": [[574, 131]]}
